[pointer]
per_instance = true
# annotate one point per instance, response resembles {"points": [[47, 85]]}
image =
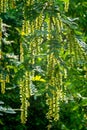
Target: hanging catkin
{"points": [[54, 87], [2, 77], [10, 4], [1, 6], [53, 99], [66, 5], [25, 81]]}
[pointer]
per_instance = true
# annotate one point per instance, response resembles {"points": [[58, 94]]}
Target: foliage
{"points": [[78, 9], [43, 65]]}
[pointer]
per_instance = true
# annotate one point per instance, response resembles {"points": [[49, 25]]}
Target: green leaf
{"points": [[52, 88], [84, 101], [7, 110]]}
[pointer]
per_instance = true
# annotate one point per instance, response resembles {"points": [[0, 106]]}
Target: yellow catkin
{"points": [[49, 100], [58, 84], [2, 9], [25, 82], [75, 51], [4, 5], [3, 87], [22, 91], [2, 80], [66, 5], [22, 87], [56, 80], [21, 52], [23, 102], [7, 79], [24, 96], [38, 24], [70, 48], [11, 4], [52, 102], [50, 74], [1, 6], [0, 44], [0, 38]]}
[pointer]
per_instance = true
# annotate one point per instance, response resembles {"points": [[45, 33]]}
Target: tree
{"points": [[42, 56]]}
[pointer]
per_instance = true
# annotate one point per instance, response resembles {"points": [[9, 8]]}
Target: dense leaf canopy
{"points": [[43, 64]]}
